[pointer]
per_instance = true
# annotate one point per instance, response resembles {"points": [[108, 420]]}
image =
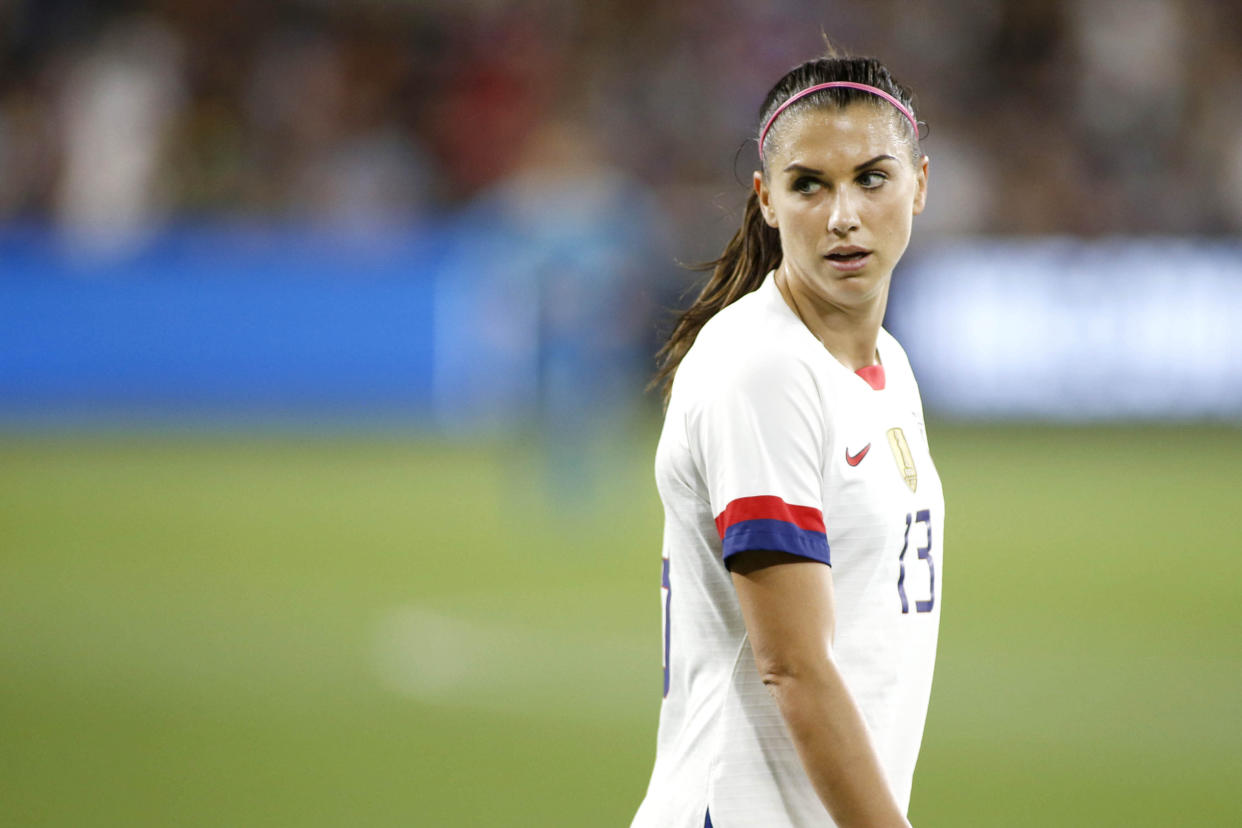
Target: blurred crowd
{"points": [[1083, 117]]}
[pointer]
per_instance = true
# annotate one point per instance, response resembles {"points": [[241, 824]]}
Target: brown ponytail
{"points": [[754, 250]]}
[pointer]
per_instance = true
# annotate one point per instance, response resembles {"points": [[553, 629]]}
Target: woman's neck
{"points": [[849, 334]]}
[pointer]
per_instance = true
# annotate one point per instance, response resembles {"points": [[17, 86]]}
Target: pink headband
{"points": [[837, 85]]}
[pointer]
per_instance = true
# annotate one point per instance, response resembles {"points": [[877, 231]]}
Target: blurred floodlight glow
{"points": [[1075, 330]]}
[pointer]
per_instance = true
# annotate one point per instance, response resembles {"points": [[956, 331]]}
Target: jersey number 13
{"points": [[923, 516]]}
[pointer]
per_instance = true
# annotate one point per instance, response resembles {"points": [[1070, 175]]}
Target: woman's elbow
{"points": [[780, 672]]}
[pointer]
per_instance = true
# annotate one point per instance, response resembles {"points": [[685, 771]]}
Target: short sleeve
{"points": [[758, 437]]}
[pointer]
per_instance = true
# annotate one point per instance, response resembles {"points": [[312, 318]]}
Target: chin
{"points": [[858, 288]]}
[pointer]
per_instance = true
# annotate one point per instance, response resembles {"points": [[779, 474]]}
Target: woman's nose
{"points": [[844, 216]]}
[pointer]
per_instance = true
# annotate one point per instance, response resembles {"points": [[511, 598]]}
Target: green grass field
{"points": [[388, 631]]}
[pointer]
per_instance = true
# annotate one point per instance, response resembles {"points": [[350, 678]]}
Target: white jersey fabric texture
{"points": [[770, 443]]}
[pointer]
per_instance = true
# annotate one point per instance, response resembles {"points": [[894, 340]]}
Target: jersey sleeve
{"points": [[759, 436]]}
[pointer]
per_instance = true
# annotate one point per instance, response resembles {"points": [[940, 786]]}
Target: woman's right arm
{"points": [[787, 602]]}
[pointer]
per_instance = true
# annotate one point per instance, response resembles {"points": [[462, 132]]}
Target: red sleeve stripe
{"points": [[769, 507]]}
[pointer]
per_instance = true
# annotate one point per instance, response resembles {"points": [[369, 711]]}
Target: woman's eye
{"points": [[806, 185], [872, 179]]}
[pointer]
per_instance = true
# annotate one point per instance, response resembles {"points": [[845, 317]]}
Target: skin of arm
{"points": [[788, 606]]}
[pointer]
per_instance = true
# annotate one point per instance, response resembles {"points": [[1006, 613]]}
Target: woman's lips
{"points": [[849, 264]]}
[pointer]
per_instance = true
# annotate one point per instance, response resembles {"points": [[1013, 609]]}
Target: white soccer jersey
{"points": [[770, 443]]}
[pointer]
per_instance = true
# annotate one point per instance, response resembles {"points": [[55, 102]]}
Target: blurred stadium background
{"points": [[325, 492]]}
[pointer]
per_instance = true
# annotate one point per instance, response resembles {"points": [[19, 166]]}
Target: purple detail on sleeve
{"points": [[777, 536], [668, 621]]}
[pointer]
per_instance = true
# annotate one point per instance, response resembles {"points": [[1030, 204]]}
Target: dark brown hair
{"points": [[755, 248]]}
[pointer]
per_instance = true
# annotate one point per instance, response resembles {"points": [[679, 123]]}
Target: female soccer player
{"points": [[803, 516]]}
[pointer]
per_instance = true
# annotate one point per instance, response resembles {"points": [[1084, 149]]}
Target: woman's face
{"points": [[843, 193]]}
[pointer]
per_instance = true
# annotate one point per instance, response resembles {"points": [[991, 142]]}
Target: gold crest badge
{"points": [[905, 460]]}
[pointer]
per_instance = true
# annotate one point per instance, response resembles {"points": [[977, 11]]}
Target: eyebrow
{"points": [[796, 167]]}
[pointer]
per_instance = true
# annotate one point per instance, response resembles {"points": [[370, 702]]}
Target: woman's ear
{"points": [[920, 194], [765, 200]]}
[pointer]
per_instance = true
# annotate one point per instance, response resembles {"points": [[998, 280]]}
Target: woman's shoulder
{"points": [[758, 324], [748, 331], [748, 349]]}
